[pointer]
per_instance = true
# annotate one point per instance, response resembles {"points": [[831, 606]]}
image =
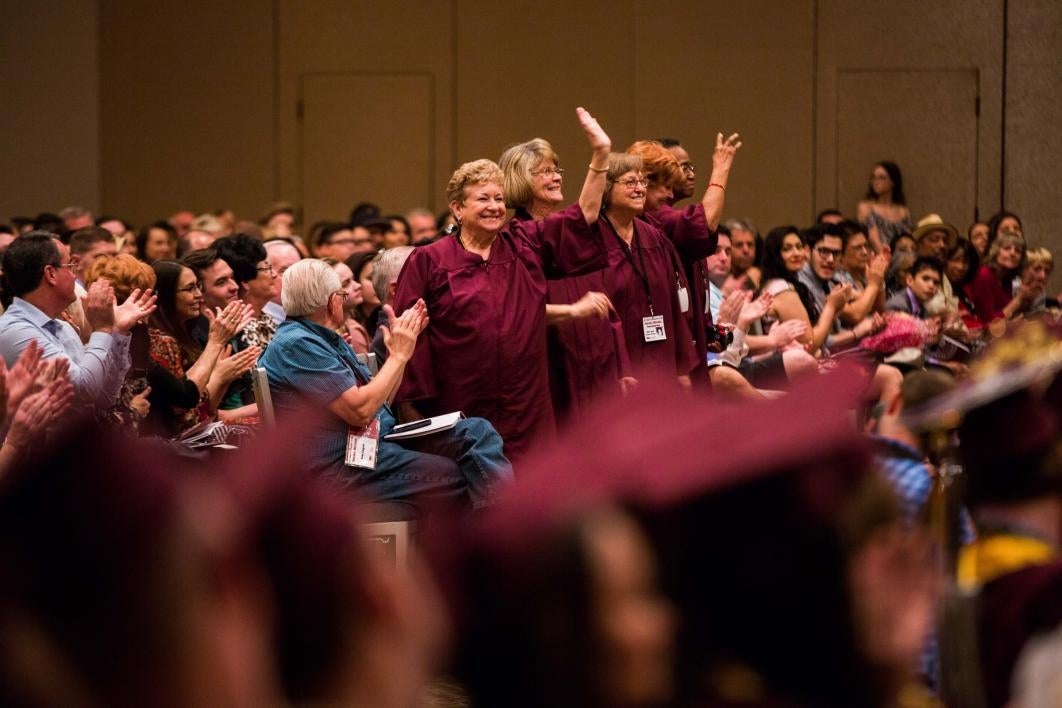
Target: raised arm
{"points": [[594, 185], [715, 194]]}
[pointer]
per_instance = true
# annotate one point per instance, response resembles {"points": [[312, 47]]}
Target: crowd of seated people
{"points": [[598, 405]]}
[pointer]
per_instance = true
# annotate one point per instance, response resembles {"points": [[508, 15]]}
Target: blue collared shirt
{"points": [[97, 369], [309, 366]]}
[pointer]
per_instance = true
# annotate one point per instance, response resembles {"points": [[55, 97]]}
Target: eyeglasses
{"points": [[75, 261], [548, 171], [343, 294], [194, 287], [827, 252], [631, 183], [859, 247], [688, 167], [267, 268]]}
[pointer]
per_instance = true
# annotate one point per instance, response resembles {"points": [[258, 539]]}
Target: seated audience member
{"points": [[746, 252], [977, 235], [310, 366], [282, 255], [784, 257], [76, 218], [347, 630], [903, 243], [33, 397], [187, 379], [1000, 223], [125, 273], [923, 283], [116, 226], [279, 220], [210, 224], [384, 279], [864, 270], [40, 275], [1039, 263], [195, 240], [254, 275], [992, 290], [368, 311], [181, 222], [216, 283], [126, 583], [829, 216], [962, 266], [352, 331], [86, 244], [422, 229], [337, 240], [156, 241], [401, 229], [896, 276]]}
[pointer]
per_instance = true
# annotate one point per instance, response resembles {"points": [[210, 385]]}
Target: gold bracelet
{"points": [[597, 169]]}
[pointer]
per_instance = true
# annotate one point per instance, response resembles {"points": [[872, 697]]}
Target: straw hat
{"points": [[933, 222]]}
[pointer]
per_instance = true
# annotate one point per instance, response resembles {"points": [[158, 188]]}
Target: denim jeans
{"points": [[464, 463]]}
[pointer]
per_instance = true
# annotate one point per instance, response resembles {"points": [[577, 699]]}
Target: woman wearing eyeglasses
{"points": [[484, 350], [644, 278], [187, 381], [587, 353]]}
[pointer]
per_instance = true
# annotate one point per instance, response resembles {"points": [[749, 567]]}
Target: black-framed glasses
{"points": [[267, 268], [688, 167], [549, 172], [827, 252]]}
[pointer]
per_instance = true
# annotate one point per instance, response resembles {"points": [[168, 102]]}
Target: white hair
{"points": [[306, 287], [386, 269]]}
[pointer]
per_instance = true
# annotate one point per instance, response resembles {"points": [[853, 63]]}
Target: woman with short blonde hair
{"points": [[484, 350]]}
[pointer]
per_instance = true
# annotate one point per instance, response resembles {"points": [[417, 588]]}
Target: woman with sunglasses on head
{"points": [[187, 381], [883, 211]]}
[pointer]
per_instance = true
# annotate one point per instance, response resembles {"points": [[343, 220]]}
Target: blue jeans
{"points": [[463, 463]]}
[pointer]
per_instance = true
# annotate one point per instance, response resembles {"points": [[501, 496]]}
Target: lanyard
{"points": [[628, 253]]}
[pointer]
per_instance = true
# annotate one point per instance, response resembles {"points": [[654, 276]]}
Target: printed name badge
{"points": [[684, 300], [653, 328], [362, 444]]}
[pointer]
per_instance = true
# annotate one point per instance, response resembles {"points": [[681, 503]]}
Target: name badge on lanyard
{"points": [[684, 300], [653, 328], [362, 444]]}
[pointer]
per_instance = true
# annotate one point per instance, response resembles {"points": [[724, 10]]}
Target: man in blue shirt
{"points": [[40, 272], [309, 365]]}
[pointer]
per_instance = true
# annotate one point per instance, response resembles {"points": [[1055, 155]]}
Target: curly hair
{"points": [[658, 162], [124, 272], [480, 171]]}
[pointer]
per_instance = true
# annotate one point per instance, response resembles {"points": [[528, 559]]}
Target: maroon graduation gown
{"points": [[484, 350], [688, 231], [587, 357], [676, 354]]}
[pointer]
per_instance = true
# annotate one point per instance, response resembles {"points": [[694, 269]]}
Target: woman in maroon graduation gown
{"points": [[484, 352], [587, 353], [644, 277], [692, 230]]}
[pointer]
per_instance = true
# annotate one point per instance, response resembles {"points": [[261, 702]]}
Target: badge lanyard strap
{"points": [[627, 253]]}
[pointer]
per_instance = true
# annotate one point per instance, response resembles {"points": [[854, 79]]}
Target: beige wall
{"points": [[197, 102], [49, 106]]}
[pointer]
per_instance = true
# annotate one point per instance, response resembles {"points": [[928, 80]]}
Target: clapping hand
{"points": [[785, 333], [232, 366], [136, 308], [98, 306], [400, 336], [730, 307], [226, 324], [38, 411], [754, 310], [21, 377]]}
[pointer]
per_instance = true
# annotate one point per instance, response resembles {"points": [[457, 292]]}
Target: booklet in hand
{"points": [[427, 426]]}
